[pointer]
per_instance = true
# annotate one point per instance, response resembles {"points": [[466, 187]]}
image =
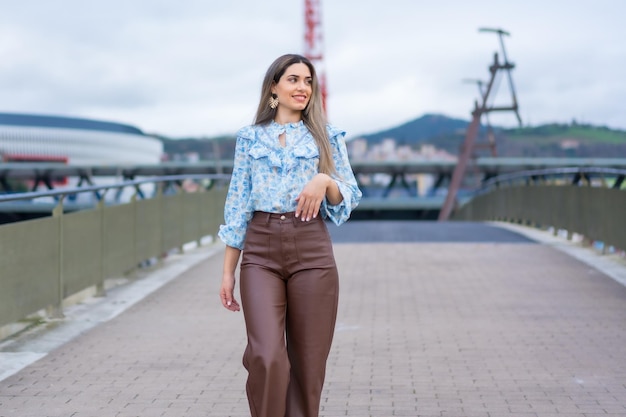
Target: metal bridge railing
{"points": [[591, 202], [46, 260], [579, 175]]}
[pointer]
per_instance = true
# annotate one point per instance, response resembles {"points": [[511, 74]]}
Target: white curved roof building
{"points": [[75, 141]]}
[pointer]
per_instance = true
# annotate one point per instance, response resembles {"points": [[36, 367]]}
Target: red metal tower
{"points": [[466, 157], [313, 42]]}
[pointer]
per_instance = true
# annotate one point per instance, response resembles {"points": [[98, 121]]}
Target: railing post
{"points": [[199, 201], [56, 311], [180, 195], [133, 202], [100, 289], [134, 273], [159, 197]]}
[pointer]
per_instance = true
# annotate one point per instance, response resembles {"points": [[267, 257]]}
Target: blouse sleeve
{"points": [[345, 180], [236, 213]]}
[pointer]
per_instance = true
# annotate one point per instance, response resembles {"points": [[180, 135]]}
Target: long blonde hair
{"points": [[313, 115]]}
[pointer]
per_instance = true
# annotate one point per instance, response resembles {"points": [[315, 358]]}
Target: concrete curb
{"points": [[608, 264]]}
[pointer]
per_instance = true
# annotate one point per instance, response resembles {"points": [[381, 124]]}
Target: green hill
{"points": [[549, 140], [571, 140]]}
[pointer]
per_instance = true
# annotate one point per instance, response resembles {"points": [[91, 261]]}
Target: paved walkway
{"points": [[488, 327]]}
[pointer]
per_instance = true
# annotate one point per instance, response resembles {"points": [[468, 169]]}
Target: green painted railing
{"points": [[46, 260], [596, 212]]}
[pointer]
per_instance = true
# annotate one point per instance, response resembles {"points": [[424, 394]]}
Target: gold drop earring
{"points": [[273, 101]]}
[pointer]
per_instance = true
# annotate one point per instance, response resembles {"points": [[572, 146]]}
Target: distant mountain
{"points": [[427, 128], [548, 140], [219, 147]]}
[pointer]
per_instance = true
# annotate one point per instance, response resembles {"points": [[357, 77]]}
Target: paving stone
{"points": [[471, 329]]}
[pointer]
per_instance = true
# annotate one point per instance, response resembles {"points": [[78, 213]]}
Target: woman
{"points": [[291, 171]]}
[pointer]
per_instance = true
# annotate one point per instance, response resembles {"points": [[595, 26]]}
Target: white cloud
{"points": [[194, 67]]}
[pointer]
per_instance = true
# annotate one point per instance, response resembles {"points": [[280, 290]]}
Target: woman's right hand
{"points": [[226, 293]]}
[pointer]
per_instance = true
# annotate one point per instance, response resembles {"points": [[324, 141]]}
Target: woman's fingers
{"points": [[311, 198], [308, 207], [232, 305], [228, 301], [313, 209]]}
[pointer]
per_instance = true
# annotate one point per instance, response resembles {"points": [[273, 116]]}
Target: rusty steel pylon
{"points": [[469, 144], [491, 137], [313, 42]]}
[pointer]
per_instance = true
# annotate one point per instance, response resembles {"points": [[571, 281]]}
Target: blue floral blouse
{"points": [[268, 177]]}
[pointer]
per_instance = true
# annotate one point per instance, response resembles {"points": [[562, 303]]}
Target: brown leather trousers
{"points": [[289, 291]]}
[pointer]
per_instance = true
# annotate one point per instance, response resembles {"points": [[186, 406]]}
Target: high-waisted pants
{"points": [[289, 292]]}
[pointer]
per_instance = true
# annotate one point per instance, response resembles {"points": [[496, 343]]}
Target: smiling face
{"points": [[294, 88]]}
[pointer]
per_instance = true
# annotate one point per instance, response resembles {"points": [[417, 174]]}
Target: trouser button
{"points": [[282, 217]]}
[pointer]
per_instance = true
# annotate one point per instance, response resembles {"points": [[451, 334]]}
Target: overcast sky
{"points": [[194, 67]]}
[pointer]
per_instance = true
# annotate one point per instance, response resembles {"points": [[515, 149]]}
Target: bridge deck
{"points": [[435, 319]]}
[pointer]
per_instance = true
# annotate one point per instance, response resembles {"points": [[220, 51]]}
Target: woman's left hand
{"points": [[311, 197]]}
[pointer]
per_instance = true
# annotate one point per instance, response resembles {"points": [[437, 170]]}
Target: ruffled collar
{"points": [[275, 127], [299, 144], [295, 132]]}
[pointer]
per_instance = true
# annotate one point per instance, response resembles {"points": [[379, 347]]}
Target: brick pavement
{"points": [[473, 329]]}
